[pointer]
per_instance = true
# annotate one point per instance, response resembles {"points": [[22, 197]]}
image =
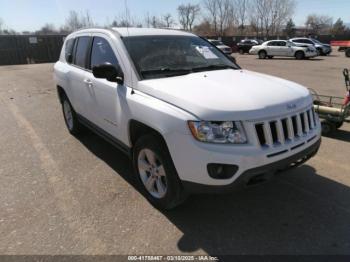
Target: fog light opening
{"points": [[221, 171]]}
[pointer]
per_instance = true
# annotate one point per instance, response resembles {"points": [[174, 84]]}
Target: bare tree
{"points": [[155, 23], [319, 23], [168, 20], [73, 22], [47, 29], [339, 28], [147, 20], [232, 18], [212, 8], [268, 16], [123, 20], [224, 11], [188, 15], [86, 20], [204, 28], [221, 14], [242, 8], [76, 21], [1, 25]]}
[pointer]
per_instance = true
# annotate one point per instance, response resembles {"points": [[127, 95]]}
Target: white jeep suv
{"points": [[189, 117]]}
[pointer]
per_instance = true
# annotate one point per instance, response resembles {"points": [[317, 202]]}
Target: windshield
{"points": [[167, 56], [316, 41]]}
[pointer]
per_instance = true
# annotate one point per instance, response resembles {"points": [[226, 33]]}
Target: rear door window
{"points": [[82, 51], [102, 53]]}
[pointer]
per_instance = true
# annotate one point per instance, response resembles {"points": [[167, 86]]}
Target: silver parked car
{"points": [[273, 48], [322, 49], [224, 48]]}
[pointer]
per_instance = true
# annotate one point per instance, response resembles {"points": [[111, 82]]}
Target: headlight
{"points": [[218, 132]]}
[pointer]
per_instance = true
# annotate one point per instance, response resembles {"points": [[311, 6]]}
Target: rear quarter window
{"points": [[69, 50]]}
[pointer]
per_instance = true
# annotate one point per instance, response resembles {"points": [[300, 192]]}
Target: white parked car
{"points": [[273, 48], [191, 122], [224, 48]]}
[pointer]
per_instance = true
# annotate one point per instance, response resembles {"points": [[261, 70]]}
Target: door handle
{"points": [[88, 82]]}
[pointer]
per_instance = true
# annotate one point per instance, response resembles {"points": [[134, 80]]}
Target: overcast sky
{"points": [[32, 14]]}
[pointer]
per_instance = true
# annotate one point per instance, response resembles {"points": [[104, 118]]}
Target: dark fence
{"points": [[30, 49]]}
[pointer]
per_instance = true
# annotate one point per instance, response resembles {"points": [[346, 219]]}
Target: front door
{"points": [[273, 48], [104, 100]]}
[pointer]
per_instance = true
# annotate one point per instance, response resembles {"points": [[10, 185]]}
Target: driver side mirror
{"points": [[109, 72]]}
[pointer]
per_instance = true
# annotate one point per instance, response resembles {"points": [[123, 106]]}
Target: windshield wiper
{"points": [[212, 67], [168, 72]]}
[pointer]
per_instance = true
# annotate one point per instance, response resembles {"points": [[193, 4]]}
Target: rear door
{"points": [[77, 75]]}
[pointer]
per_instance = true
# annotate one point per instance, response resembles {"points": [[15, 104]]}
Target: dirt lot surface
{"points": [[63, 195]]}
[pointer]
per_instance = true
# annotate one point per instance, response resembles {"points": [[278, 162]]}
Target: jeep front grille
{"points": [[279, 131]]}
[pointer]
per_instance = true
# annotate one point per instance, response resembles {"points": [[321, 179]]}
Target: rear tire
{"points": [[156, 173], [70, 117], [339, 125], [262, 54], [347, 52], [299, 55]]}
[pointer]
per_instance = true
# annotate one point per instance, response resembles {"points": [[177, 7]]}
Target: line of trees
{"points": [[262, 18]]}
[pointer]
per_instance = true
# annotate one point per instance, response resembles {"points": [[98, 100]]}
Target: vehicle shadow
{"points": [[292, 58], [342, 135], [298, 212]]}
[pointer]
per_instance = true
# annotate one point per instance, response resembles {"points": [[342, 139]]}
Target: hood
{"points": [[226, 95]]}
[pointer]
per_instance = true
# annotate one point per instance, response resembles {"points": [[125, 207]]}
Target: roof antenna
{"points": [[127, 18]]}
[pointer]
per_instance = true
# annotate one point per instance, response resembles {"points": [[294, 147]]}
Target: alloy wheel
{"points": [[152, 173]]}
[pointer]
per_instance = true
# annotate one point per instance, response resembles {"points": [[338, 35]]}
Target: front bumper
{"points": [[191, 158], [311, 54], [253, 52], [267, 171], [327, 50]]}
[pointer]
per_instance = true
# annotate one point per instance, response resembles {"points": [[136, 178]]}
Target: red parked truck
{"points": [[343, 45]]}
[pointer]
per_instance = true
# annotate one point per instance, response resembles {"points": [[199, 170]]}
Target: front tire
{"points": [[156, 173], [327, 127], [70, 117], [262, 54], [320, 52], [299, 55]]}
